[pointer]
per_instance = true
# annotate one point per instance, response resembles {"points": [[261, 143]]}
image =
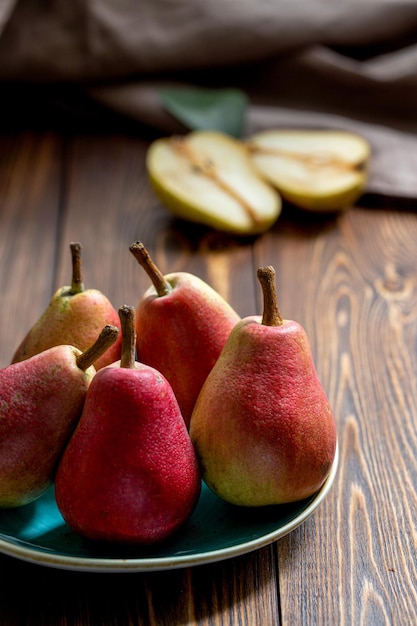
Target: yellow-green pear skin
{"points": [[74, 316], [315, 170], [207, 177], [41, 400], [262, 427], [74, 320]]}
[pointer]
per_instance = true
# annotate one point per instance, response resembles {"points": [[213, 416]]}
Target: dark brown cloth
{"points": [[316, 63]]}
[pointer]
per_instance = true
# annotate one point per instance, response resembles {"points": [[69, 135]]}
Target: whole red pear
{"points": [[262, 427], [182, 324], [41, 400], [129, 474]]}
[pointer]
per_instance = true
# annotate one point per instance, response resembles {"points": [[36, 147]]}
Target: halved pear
{"points": [[208, 177], [318, 170]]}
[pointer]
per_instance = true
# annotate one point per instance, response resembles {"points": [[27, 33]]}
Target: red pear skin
{"points": [[181, 329], [74, 316], [41, 400], [262, 427], [129, 474]]}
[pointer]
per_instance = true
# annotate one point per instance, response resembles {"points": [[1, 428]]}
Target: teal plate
{"points": [[216, 531]]}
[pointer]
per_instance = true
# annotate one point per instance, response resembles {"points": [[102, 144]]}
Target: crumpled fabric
{"points": [[313, 64]]}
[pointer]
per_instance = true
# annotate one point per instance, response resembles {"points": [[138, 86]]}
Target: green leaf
{"points": [[207, 109]]}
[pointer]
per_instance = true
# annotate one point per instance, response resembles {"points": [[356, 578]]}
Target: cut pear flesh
{"points": [[316, 170], [208, 177]]}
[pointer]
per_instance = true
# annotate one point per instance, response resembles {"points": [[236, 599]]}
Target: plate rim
{"points": [[114, 565]]}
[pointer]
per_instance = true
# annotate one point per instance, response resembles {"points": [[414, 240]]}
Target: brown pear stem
{"points": [[271, 314], [105, 339], [77, 285], [127, 321], [142, 256]]}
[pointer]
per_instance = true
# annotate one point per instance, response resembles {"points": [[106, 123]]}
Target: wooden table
{"points": [[350, 280]]}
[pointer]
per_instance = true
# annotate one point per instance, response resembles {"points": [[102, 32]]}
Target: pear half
{"points": [[208, 177], [318, 170]]}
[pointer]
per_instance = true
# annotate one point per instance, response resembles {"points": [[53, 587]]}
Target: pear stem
{"points": [[127, 322], [271, 315], [142, 256], [105, 339], [77, 285]]}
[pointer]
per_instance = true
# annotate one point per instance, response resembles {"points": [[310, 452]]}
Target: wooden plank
{"points": [[354, 562], [29, 216], [237, 591]]}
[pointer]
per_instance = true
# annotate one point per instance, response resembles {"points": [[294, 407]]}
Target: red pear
{"points": [[41, 400], [74, 316], [129, 474], [263, 428], [182, 324]]}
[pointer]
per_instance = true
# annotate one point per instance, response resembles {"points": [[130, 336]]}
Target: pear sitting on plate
{"points": [[41, 400], [262, 427], [207, 177], [75, 315], [129, 473], [317, 170], [182, 324]]}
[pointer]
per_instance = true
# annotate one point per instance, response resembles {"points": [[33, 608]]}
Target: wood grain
{"points": [[351, 280], [364, 337], [30, 188]]}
